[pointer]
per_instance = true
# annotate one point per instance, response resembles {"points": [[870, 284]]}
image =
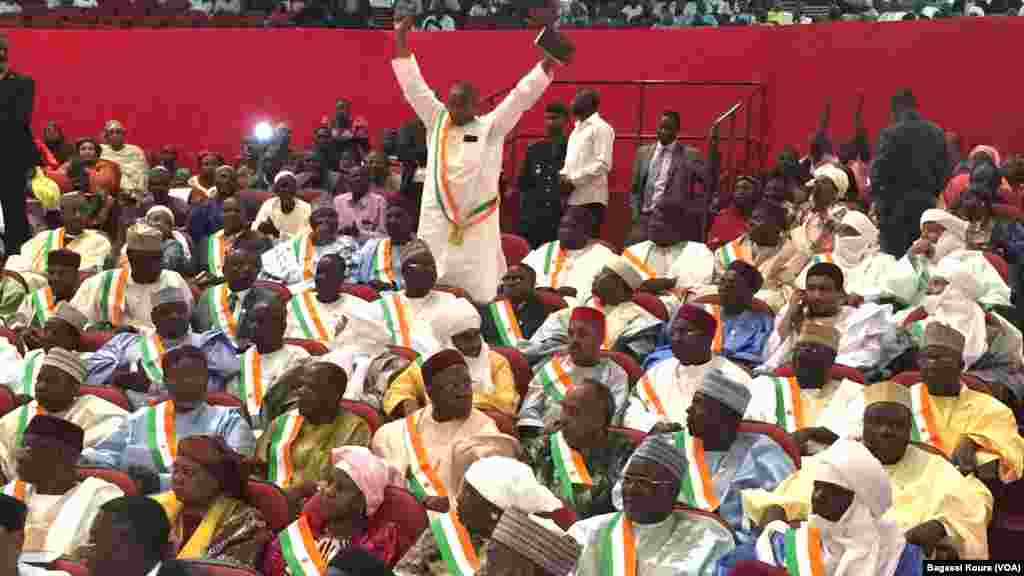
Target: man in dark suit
{"points": [[17, 93], [519, 287], [671, 170], [910, 170], [540, 201]]}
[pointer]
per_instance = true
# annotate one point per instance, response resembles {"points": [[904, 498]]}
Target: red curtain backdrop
{"points": [[206, 88]]}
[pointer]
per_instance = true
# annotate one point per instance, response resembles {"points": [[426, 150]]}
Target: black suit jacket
{"points": [[17, 96], [911, 162], [686, 184], [530, 317]]}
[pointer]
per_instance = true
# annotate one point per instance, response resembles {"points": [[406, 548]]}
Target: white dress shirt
{"points": [[588, 160]]}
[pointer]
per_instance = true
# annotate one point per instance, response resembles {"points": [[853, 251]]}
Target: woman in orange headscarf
{"points": [[958, 184]]}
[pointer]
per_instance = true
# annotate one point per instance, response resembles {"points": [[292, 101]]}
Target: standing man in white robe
{"points": [[458, 217]]}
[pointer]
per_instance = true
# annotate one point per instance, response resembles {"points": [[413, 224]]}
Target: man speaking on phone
{"points": [[459, 211], [17, 93]]}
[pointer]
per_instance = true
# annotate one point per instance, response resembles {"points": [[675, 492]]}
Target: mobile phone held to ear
{"points": [[555, 45]]}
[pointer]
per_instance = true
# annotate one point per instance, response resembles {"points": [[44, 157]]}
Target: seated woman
{"points": [[845, 534], [339, 516], [208, 515]]}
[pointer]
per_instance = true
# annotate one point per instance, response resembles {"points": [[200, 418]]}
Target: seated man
{"points": [[976, 431], [220, 307], [767, 248], [284, 216], [212, 253], [61, 508], [932, 502], [319, 314], [13, 289], [734, 221], [494, 387], [743, 332], [134, 362], [815, 235], [360, 211], [648, 531], [266, 357], [584, 361], [297, 445], [516, 314], [124, 297], [660, 401], [527, 544], [570, 264], [92, 245], [62, 330], [13, 514], [62, 283], [143, 444], [722, 461], [380, 259], [811, 405], [421, 443], [860, 328], [581, 459], [671, 266], [294, 262], [628, 326], [57, 394]]}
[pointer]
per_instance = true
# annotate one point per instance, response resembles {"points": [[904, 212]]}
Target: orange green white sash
{"points": [[160, 437], [554, 261], [43, 305], [112, 293], [216, 248], [570, 469], [20, 489], [925, 428], [555, 379], [455, 546], [719, 340], [648, 395], [397, 316], [221, 312], [505, 322], [640, 264], [307, 313], [789, 412], [54, 241], [152, 351], [303, 246], [33, 363], [300, 551], [250, 381], [618, 547], [442, 190], [819, 258], [803, 552], [382, 265], [423, 479], [25, 415], [697, 489], [284, 431], [734, 251]]}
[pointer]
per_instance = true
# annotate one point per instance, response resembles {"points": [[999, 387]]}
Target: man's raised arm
{"points": [[525, 94], [415, 89]]}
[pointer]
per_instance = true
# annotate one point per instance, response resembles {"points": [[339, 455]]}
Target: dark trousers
{"points": [[13, 184], [597, 211], [900, 224]]}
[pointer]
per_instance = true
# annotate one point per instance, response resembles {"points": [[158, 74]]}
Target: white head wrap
{"points": [[510, 485], [456, 319], [836, 175], [957, 306], [850, 251], [284, 174], [955, 236]]}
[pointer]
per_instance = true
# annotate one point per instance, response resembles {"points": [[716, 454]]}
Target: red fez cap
{"points": [[439, 362], [223, 463], [699, 317], [59, 429], [590, 315]]}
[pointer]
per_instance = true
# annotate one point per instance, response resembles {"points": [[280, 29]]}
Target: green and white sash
{"points": [[283, 432], [455, 545], [160, 437], [734, 251], [803, 551], [151, 352], [397, 316], [25, 415], [250, 381], [300, 551], [789, 412], [570, 469], [698, 488], [43, 305], [20, 489], [54, 241], [221, 312], [556, 381], [216, 249], [925, 428], [33, 363], [554, 261], [618, 547], [112, 295], [306, 311], [505, 322], [304, 252], [382, 266]]}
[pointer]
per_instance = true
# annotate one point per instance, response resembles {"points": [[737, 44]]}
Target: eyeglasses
{"points": [[643, 483]]}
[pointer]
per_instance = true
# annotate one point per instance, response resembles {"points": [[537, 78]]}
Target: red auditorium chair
{"points": [[775, 433], [633, 370], [314, 347], [10, 335], [360, 291], [514, 247], [745, 567], [1000, 264], [217, 568], [72, 568], [505, 423], [311, 195], [839, 371], [93, 340], [521, 372], [278, 287], [271, 501], [116, 477], [757, 305], [564, 517], [608, 245], [197, 293], [110, 394], [364, 411], [6, 400], [652, 304], [213, 399], [407, 353], [551, 300], [635, 436]]}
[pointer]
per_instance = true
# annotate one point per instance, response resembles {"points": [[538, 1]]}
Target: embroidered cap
{"points": [[887, 391], [64, 257], [67, 362], [439, 362], [169, 295], [819, 333], [144, 238], [59, 429], [721, 387], [700, 317], [552, 551], [939, 334], [71, 315], [658, 450], [510, 485], [622, 267]]}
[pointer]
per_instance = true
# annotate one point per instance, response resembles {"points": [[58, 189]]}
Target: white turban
{"points": [[510, 485], [456, 319], [955, 236], [958, 306], [850, 251], [836, 175]]}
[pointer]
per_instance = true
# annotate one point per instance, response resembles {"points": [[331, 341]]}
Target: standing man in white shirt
{"points": [[458, 216], [589, 157]]}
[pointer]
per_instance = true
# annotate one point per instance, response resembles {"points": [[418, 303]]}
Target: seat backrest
{"points": [[407, 353], [1000, 264], [521, 372], [652, 304], [360, 291], [364, 411], [777, 434], [402, 508], [217, 568], [6, 400], [514, 247], [72, 568], [212, 398], [506, 424], [633, 370], [93, 340], [282, 290], [838, 372], [271, 501], [565, 517], [108, 393], [10, 335], [757, 305], [551, 300], [635, 436], [748, 567], [116, 477], [314, 347]]}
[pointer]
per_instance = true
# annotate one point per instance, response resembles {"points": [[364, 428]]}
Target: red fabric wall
{"points": [[205, 88]]}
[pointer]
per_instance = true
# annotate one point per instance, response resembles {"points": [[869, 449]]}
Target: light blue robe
{"points": [[366, 273], [128, 445]]}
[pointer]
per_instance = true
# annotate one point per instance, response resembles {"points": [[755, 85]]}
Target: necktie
{"points": [[652, 176]]}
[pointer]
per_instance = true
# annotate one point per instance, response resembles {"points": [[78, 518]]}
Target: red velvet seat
{"points": [[116, 477], [361, 291], [213, 399], [217, 568], [633, 370], [839, 371], [757, 305], [777, 434], [652, 304], [551, 300], [458, 292], [314, 347], [565, 517], [521, 372], [635, 436], [10, 335], [756, 568], [514, 247], [6, 400], [1000, 264], [271, 501], [72, 568], [282, 291], [108, 393], [93, 340], [505, 423], [364, 411]]}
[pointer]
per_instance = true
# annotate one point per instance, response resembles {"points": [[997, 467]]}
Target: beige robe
{"points": [[331, 316], [60, 524], [134, 167], [92, 245], [138, 299], [273, 365], [578, 271], [289, 225]]}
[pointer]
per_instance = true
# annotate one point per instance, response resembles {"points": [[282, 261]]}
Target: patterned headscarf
{"points": [[371, 474]]}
